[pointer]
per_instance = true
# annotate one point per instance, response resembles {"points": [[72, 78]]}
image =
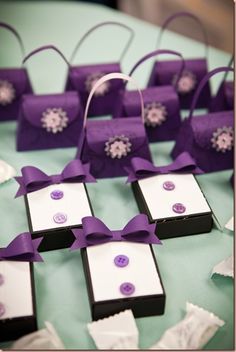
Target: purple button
{"points": [[121, 260], [60, 218], [168, 185], [127, 288], [178, 208], [56, 194], [1, 279], [2, 309]]}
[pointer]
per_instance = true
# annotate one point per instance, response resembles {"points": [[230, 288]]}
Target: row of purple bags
{"points": [[109, 145], [15, 82]]}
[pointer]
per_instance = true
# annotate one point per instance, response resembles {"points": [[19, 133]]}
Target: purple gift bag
{"points": [[50, 120], [224, 98], [14, 82], [209, 138], [161, 105], [165, 72], [109, 145], [83, 77]]}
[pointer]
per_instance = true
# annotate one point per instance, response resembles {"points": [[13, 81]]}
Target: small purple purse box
{"points": [[161, 105], [13, 83], [209, 138], [164, 72], [50, 120], [82, 77], [109, 145], [224, 98]]}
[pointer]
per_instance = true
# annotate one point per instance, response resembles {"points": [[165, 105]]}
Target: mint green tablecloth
{"points": [[185, 263]]}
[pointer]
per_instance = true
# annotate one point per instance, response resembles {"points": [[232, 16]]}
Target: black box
{"points": [[20, 301], [149, 296], [150, 193], [41, 209]]}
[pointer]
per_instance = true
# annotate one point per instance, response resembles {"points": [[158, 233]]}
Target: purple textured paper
{"points": [[101, 105], [224, 98], [19, 79], [164, 71], [140, 168], [97, 133], [195, 138], [30, 133], [128, 105], [22, 248], [95, 232], [34, 179]]}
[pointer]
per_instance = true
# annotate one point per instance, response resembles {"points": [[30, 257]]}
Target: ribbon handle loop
{"points": [[16, 34], [102, 24], [108, 77]]}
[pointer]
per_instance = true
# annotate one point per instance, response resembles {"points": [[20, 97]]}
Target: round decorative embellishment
{"points": [[54, 120], [168, 185], [118, 146], [7, 93], [223, 139], [92, 79], [121, 260], [60, 218], [178, 208], [186, 83], [155, 114], [57, 194], [127, 288]]}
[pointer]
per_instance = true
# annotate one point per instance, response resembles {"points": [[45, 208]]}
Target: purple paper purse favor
{"points": [[165, 72], [161, 105], [209, 138], [50, 120], [83, 77], [109, 145], [224, 98], [14, 82]]}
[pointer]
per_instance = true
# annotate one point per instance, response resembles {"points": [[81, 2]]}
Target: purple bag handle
{"points": [[45, 47], [80, 42], [160, 52], [184, 14], [108, 77], [16, 34], [229, 65], [202, 85]]}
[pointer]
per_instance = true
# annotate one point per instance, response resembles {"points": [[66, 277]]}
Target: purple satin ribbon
{"points": [[95, 232], [33, 179], [141, 168], [22, 248]]}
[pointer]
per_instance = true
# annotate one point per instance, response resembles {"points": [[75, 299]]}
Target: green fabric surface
{"points": [[185, 263]]}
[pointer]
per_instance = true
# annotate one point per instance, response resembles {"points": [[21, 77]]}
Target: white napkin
{"points": [[225, 267], [115, 332], [6, 171], [42, 339]]}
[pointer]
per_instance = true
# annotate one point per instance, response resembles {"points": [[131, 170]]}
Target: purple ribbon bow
{"points": [[95, 232], [33, 179], [142, 168], [22, 248]]}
